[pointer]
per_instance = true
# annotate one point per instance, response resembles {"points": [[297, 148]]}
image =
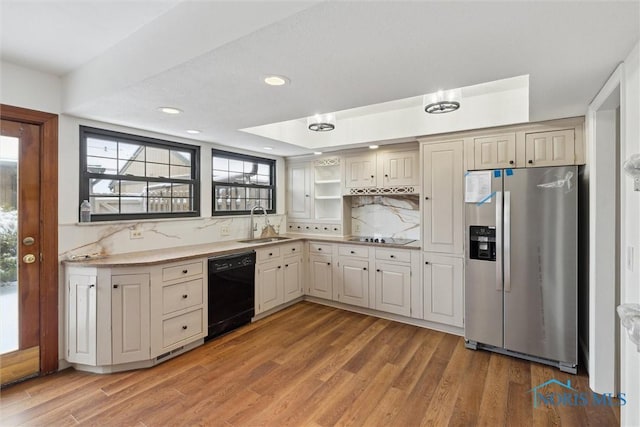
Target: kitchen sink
{"points": [[264, 239]]}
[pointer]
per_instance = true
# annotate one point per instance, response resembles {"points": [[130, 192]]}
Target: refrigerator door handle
{"points": [[507, 241], [499, 241]]}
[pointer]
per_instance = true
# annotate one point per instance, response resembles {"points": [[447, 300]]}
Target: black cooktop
{"points": [[391, 240]]}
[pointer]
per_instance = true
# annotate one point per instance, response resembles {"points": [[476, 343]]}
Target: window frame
{"points": [[86, 176], [237, 156]]}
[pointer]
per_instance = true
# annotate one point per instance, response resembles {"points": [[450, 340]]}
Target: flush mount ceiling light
{"points": [[441, 102], [169, 110], [322, 122], [276, 80], [193, 131]]}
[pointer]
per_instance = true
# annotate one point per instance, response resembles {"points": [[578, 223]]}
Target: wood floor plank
{"points": [[308, 365]]}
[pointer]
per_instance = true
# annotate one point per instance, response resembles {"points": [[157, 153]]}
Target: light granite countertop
{"points": [[181, 253]]}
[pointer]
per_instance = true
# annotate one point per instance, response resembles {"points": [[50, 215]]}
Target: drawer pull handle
{"points": [[386, 175], [115, 286], [184, 328], [392, 256], [426, 198], [319, 249], [286, 265], [270, 253], [185, 271], [372, 176], [511, 162], [92, 286], [185, 296], [293, 249], [530, 162], [378, 270], [353, 252]]}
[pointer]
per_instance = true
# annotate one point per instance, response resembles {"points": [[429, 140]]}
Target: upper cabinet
{"points": [[550, 148], [495, 152], [299, 195], [552, 143], [383, 170]]}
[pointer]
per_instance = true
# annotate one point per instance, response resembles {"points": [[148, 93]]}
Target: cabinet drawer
{"points": [[268, 253], [291, 249], [180, 271], [393, 255], [181, 327], [320, 248], [181, 295], [354, 251]]}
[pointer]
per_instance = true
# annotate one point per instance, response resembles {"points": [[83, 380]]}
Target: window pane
{"points": [[250, 167], [130, 151], [159, 189], [265, 193], [236, 177], [105, 205], [263, 180], [181, 190], [264, 169], [102, 165], [182, 172], [133, 188], [133, 204], [220, 163], [157, 155], [159, 204], [157, 170], [236, 165], [181, 204], [220, 176], [126, 167], [182, 158], [102, 148], [104, 187]]}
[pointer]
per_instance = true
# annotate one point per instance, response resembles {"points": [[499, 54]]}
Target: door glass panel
{"points": [[8, 244]]}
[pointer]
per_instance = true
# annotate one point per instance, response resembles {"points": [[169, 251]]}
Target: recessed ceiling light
{"points": [[193, 131], [317, 153], [268, 148], [170, 110], [276, 80], [373, 147]]}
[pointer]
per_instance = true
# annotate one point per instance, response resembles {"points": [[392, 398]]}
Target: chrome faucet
{"points": [[254, 227]]}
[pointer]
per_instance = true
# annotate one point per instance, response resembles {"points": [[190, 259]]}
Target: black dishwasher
{"points": [[231, 292]]}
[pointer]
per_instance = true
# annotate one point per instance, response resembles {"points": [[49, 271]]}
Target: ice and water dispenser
{"points": [[482, 243]]}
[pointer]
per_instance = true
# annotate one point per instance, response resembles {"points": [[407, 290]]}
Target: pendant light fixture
{"points": [[322, 122], [441, 102]]}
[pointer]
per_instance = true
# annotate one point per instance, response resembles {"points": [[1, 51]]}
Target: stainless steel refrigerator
{"points": [[521, 263]]}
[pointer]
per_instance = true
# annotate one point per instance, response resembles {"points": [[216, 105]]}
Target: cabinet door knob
{"points": [[185, 271], [270, 253], [115, 286], [184, 327], [392, 256], [426, 262], [279, 266], [319, 249], [511, 162], [286, 265], [328, 263], [530, 162], [372, 176], [353, 252], [364, 268], [306, 195], [426, 198], [378, 270], [293, 249], [386, 175], [92, 286], [185, 296]]}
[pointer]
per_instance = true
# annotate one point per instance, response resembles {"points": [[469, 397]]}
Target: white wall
{"points": [[630, 233], [22, 87]]}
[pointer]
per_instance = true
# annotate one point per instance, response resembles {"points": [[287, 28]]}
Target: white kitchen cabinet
{"points": [[554, 148], [353, 281], [443, 199], [320, 275], [269, 285], [130, 318], [293, 272], [399, 168], [81, 316], [361, 171], [393, 288], [495, 152], [299, 194], [443, 289]]}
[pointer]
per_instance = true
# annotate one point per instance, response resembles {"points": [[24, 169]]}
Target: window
{"points": [[133, 177], [241, 182]]}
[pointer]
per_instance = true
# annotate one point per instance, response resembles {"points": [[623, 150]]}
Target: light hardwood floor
{"points": [[309, 365]]}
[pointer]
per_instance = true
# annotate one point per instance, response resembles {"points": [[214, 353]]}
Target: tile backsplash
{"points": [[388, 216]]}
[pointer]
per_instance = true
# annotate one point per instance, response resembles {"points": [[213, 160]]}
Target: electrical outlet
{"points": [[224, 230], [135, 234], [356, 228]]}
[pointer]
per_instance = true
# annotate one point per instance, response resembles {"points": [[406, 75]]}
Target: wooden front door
{"points": [[28, 244]]}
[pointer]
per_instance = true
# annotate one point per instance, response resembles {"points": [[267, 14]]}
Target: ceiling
{"points": [[120, 61]]}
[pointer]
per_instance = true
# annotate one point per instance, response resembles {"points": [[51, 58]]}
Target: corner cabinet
{"points": [[132, 317], [279, 273]]}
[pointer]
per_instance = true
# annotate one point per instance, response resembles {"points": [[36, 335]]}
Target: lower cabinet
{"points": [[352, 285], [80, 316], [269, 285], [320, 276], [393, 288], [130, 334], [279, 279], [443, 289], [292, 275]]}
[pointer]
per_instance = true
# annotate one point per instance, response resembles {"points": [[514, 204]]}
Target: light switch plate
{"points": [[135, 234]]}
